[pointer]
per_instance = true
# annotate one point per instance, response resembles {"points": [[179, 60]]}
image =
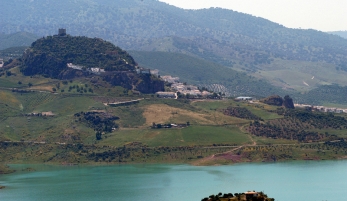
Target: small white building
{"points": [[1, 63], [155, 72], [143, 71], [251, 194], [97, 70], [244, 98], [170, 79], [162, 94], [73, 66], [206, 93]]}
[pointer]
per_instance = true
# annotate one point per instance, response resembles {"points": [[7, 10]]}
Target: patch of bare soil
{"points": [[41, 88], [161, 113], [215, 158]]}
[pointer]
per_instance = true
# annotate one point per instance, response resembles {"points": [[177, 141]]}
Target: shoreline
{"points": [[66, 155], [193, 163]]}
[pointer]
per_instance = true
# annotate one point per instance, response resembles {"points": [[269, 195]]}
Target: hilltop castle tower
{"points": [[62, 32]]}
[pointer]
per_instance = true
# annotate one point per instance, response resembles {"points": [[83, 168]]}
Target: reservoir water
{"points": [[288, 181]]}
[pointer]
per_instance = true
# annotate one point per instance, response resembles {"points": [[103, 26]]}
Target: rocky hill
{"points": [[50, 55], [67, 57]]}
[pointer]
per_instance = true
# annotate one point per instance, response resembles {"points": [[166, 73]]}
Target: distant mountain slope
{"points": [[332, 94], [129, 22], [343, 34], [230, 38], [205, 73], [16, 39], [12, 52]]}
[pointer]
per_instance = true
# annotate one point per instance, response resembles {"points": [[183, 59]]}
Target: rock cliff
{"points": [[130, 80]]}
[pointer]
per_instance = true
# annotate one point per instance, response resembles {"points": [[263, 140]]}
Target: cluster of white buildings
{"points": [[92, 70], [170, 79], [181, 88], [164, 94], [97, 70], [322, 108], [244, 98]]}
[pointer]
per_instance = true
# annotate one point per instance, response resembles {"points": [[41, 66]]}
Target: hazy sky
{"points": [[324, 15]]}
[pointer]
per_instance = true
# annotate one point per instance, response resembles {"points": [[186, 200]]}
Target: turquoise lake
{"points": [[288, 181]]}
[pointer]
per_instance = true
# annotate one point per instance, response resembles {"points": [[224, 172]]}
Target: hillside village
{"points": [[321, 108], [178, 89]]}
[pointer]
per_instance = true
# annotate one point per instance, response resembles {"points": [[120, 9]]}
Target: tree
{"points": [[98, 135], [30, 85], [214, 95]]}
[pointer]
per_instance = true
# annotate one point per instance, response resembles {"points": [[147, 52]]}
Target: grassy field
{"points": [[17, 77], [130, 116], [190, 136], [258, 109]]}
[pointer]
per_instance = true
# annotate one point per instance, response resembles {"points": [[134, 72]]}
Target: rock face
{"points": [[149, 84], [288, 102], [71, 74], [276, 100], [273, 100], [123, 79], [143, 83]]}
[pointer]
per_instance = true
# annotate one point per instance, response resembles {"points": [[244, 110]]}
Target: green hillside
{"points": [[204, 73], [73, 127], [12, 52], [16, 39], [55, 121], [325, 95]]}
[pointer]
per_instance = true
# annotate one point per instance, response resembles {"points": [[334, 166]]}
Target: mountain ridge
{"points": [[237, 40]]}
